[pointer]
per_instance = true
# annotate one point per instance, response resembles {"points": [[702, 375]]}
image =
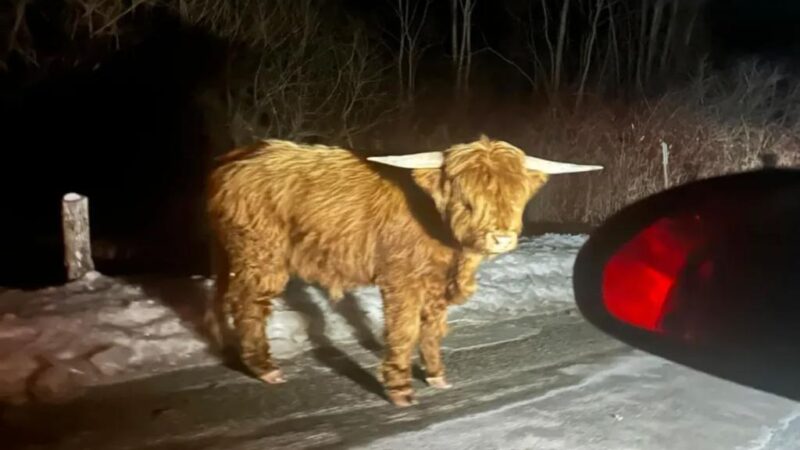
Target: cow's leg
{"points": [[250, 311], [401, 331], [432, 330], [217, 314], [257, 276]]}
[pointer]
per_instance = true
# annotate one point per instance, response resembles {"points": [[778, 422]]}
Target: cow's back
{"points": [[328, 208]]}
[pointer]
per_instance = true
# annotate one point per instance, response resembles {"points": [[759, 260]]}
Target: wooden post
{"points": [[665, 163], [77, 242]]}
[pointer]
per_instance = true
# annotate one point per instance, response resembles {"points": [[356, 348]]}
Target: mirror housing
{"points": [[706, 274]]}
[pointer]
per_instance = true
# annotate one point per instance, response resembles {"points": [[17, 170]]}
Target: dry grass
{"points": [[292, 73], [720, 123]]}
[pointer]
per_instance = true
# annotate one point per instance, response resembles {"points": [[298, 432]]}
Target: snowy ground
{"points": [[550, 382], [57, 341], [528, 372], [632, 402]]}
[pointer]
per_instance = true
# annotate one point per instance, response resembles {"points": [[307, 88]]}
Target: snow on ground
{"points": [[537, 276], [637, 401], [56, 341]]}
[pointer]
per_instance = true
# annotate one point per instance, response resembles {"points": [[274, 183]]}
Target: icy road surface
{"points": [[546, 382], [54, 342], [107, 364]]}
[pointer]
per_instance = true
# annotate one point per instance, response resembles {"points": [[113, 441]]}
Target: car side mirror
{"points": [[707, 275]]}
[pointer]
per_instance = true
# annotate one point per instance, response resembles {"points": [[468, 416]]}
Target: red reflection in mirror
{"points": [[639, 280]]}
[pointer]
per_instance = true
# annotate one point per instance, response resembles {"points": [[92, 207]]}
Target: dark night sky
{"points": [[768, 26]]}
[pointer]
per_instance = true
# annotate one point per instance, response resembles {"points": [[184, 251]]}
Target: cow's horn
{"points": [[428, 160], [554, 167]]}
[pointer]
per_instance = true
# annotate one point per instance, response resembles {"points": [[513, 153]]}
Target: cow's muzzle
{"points": [[500, 242]]}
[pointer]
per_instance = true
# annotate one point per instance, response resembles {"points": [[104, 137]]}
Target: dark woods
{"points": [[128, 102]]}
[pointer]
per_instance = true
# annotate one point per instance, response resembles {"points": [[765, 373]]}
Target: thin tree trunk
{"points": [[640, 55], [673, 21], [562, 31], [549, 41], [454, 32], [631, 63], [401, 54], [690, 28], [468, 40], [541, 73], [412, 21], [653, 39], [461, 49], [615, 43], [588, 58]]}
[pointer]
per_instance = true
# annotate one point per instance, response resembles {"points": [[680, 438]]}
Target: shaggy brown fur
{"points": [[323, 214]]}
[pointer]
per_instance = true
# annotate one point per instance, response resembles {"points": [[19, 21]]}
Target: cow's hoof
{"points": [[273, 377], [438, 383], [403, 398]]}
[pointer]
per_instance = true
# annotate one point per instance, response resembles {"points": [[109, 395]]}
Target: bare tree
{"points": [[655, 27], [412, 21], [306, 84], [588, 54], [462, 42], [612, 53], [550, 51], [562, 32], [642, 40]]}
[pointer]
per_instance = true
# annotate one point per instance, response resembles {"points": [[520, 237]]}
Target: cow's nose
{"points": [[501, 241]]}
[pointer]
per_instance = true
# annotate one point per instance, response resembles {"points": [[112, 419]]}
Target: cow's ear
{"points": [[432, 181]]}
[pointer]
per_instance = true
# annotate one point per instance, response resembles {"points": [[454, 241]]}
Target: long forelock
{"points": [[491, 155], [490, 174], [491, 167]]}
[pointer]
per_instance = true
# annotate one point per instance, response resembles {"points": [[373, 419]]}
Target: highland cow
{"points": [[417, 226]]}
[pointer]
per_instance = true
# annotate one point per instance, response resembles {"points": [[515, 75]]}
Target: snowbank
{"points": [[535, 278], [56, 341]]}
